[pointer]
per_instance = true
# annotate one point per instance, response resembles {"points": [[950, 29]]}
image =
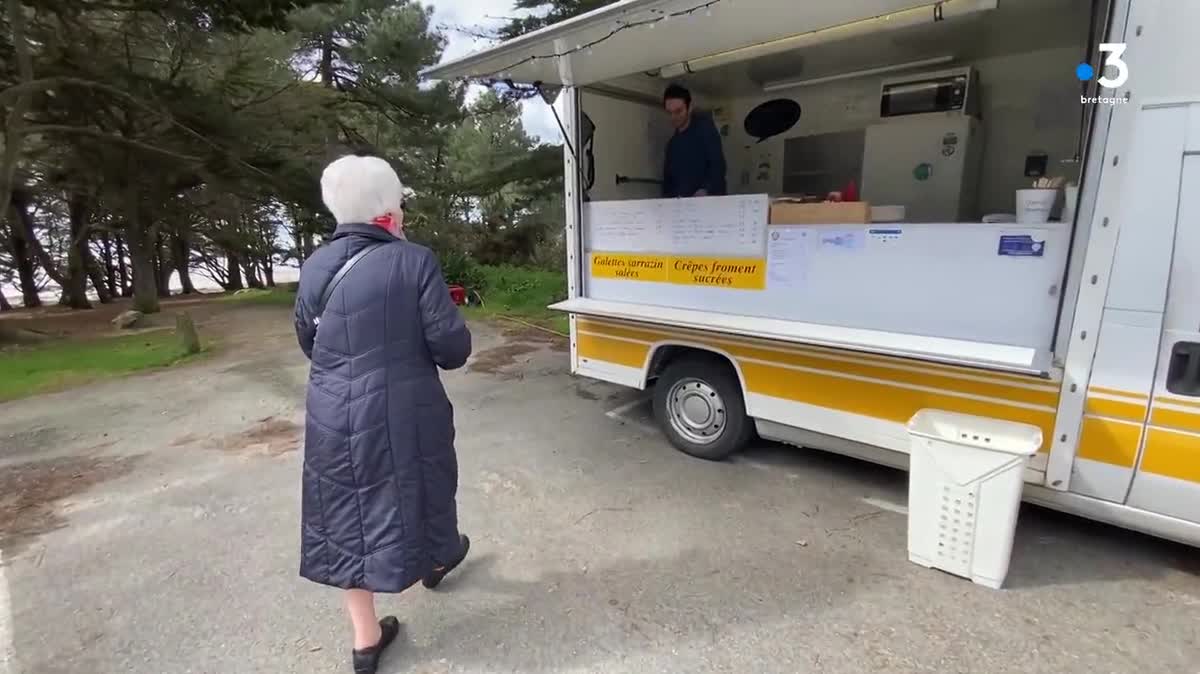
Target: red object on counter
{"points": [[458, 294], [850, 193]]}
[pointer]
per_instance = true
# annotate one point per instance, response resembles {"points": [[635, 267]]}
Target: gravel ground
{"points": [[150, 524]]}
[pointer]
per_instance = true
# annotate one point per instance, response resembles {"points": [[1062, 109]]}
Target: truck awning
{"points": [[637, 36], [998, 357]]}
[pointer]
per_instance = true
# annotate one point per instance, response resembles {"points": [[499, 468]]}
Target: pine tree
{"points": [[543, 13]]}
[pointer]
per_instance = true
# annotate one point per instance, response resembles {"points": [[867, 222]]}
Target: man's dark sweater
{"points": [[695, 161]]}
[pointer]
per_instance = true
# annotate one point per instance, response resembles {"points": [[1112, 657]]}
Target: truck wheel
{"points": [[698, 403]]}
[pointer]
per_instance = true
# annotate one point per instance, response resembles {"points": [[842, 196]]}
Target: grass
{"points": [[278, 296], [56, 365], [521, 293], [507, 291]]}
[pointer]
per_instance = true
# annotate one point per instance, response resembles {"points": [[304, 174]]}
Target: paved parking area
{"points": [[163, 538]]}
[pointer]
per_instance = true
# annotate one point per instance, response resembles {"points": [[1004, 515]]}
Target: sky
{"points": [[538, 119]]}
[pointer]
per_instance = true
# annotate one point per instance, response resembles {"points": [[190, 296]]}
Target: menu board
{"points": [[732, 226]]}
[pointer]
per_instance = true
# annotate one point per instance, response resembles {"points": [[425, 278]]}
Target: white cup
{"points": [[1072, 196], [1034, 205]]}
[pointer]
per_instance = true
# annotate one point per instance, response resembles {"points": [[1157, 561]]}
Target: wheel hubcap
{"points": [[696, 411]]}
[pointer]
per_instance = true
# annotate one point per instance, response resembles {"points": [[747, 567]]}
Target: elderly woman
{"points": [[375, 318]]}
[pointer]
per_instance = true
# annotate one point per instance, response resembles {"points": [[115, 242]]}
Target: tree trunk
{"points": [[162, 266], [98, 276], [141, 254], [156, 256], [298, 242], [14, 123], [269, 273], [110, 272], [99, 280], [235, 273], [74, 284], [4, 305], [26, 273], [181, 252], [327, 60], [126, 287], [252, 279], [21, 201], [145, 283]]}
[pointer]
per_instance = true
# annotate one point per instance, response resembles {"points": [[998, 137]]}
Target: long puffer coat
{"points": [[380, 472]]}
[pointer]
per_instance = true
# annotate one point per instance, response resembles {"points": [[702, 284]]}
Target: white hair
{"points": [[360, 189]]}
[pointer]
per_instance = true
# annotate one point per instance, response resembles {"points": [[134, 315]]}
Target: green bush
{"points": [[551, 255], [461, 269], [520, 289], [518, 292], [509, 290]]}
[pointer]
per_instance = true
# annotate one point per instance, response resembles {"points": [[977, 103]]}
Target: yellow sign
{"points": [[713, 272], [717, 272], [630, 266]]}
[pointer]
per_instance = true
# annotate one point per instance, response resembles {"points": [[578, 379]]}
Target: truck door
{"points": [[1122, 379], [1167, 478]]}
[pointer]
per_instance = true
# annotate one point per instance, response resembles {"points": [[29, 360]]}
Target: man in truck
{"points": [[695, 162]]}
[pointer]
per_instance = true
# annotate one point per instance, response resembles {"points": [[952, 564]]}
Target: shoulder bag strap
{"points": [[337, 278]]}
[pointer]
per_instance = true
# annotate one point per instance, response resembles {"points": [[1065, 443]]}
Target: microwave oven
{"points": [[943, 91]]}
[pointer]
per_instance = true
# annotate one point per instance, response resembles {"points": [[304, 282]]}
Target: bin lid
{"points": [[968, 430]]}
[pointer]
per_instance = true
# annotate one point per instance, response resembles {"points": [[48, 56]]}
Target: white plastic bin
{"points": [[964, 492]]}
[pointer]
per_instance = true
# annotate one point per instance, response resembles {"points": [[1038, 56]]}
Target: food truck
{"points": [[1024, 244]]}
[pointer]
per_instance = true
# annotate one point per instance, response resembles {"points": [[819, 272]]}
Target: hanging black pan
{"points": [[772, 118]]}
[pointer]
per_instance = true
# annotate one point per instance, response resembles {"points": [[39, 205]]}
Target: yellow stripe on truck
{"points": [[879, 400], [1116, 409], [1038, 394], [1109, 441], [1118, 392], [1172, 454], [887, 388], [654, 334], [1176, 419], [867, 387], [1170, 400], [923, 379], [629, 354]]}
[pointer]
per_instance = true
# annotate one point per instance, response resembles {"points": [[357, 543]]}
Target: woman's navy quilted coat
{"points": [[380, 473]]}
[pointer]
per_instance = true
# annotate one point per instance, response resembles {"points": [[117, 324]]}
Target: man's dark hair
{"points": [[677, 92]]}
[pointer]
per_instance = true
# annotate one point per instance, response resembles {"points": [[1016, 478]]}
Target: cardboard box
{"points": [[790, 212]]}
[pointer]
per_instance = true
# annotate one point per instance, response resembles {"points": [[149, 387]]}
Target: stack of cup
{"points": [[1034, 205]]}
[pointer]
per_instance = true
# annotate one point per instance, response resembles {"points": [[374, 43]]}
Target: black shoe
{"points": [[439, 572], [366, 660]]}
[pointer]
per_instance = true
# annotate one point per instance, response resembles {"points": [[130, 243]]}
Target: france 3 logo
{"points": [[1112, 61]]}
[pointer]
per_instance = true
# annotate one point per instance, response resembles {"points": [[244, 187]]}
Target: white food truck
{"points": [[778, 311]]}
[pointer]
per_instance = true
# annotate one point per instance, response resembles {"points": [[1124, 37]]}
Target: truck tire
{"points": [[699, 406]]}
